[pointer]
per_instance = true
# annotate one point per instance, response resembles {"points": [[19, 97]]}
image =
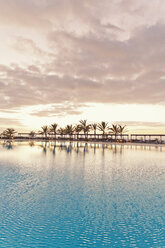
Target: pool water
{"points": [[81, 195]]}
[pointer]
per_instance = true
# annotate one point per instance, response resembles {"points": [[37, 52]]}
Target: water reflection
{"points": [[31, 143], [81, 147], [8, 145], [84, 148]]}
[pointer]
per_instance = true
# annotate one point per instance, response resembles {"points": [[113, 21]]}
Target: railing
{"points": [[134, 138], [148, 138], [77, 136]]}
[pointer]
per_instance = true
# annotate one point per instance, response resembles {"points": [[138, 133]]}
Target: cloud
{"points": [[22, 13], [142, 124], [59, 110], [81, 16], [91, 69], [24, 45], [10, 123], [83, 52]]}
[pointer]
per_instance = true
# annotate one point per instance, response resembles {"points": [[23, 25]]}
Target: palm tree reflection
{"points": [[8, 145], [54, 148], [31, 143], [81, 148], [44, 146]]}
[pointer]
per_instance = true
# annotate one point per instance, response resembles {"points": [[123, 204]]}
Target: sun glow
{"points": [[136, 117]]}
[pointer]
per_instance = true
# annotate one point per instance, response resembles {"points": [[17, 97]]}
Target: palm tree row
{"points": [[83, 127]]}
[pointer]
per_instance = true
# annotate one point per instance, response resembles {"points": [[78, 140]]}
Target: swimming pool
{"points": [[81, 195]]}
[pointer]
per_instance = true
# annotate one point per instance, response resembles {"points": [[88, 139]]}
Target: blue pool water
{"points": [[79, 195]]}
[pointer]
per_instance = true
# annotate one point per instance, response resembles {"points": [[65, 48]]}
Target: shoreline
{"points": [[128, 143]]}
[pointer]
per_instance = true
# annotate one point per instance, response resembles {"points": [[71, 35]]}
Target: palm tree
{"points": [[53, 128], [9, 133], [94, 127], [114, 129], [85, 127], [32, 134], [44, 131], [69, 130], [61, 131], [77, 130], [103, 126], [121, 130]]}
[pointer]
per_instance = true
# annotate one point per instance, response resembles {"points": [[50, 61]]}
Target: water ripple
{"points": [[81, 199]]}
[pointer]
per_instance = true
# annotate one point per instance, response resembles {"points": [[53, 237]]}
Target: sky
{"points": [[66, 60]]}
